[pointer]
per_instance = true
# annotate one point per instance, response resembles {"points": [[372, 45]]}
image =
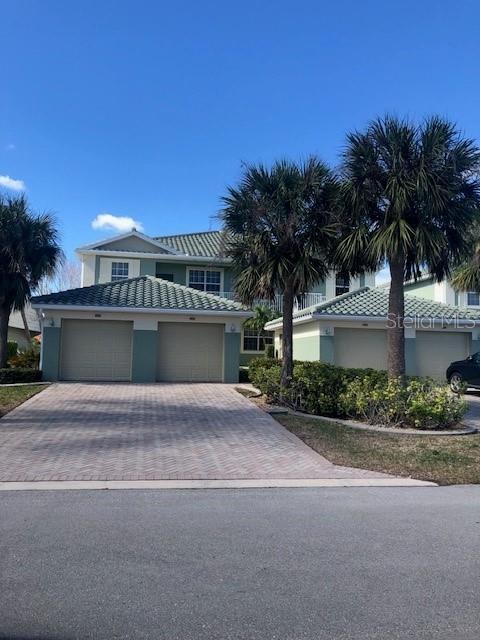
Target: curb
{"points": [[96, 485], [466, 431]]}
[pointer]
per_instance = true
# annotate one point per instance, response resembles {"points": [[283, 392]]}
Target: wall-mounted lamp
{"points": [[233, 327]]}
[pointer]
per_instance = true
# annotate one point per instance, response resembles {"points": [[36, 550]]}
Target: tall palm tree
{"points": [[280, 224], [410, 196], [29, 250]]}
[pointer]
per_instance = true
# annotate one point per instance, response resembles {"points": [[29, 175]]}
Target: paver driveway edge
{"points": [[154, 432]]}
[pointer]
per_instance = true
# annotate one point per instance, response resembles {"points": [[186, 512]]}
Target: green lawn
{"points": [[442, 459], [11, 397]]}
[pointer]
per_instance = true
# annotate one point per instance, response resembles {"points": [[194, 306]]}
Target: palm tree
{"points": [[410, 196], [29, 250], [466, 276], [281, 226]]}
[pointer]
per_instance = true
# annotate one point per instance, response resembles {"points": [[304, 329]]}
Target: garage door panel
{"points": [[96, 350], [190, 353], [360, 348], [435, 350]]}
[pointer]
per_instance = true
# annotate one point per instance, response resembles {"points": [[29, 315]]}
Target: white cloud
{"points": [[117, 223], [382, 276], [10, 183]]}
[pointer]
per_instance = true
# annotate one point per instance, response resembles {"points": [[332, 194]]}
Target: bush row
{"points": [[15, 375], [363, 394]]}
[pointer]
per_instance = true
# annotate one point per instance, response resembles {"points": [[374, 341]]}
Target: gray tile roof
{"points": [[373, 303], [145, 292], [205, 243]]}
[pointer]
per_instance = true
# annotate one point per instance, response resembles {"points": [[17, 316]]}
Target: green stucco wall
{"points": [[327, 349], [246, 358], [410, 357], [144, 356], [231, 356], [422, 289], [97, 269], [51, 353]]}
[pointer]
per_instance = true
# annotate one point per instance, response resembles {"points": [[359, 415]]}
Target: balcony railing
{"points": [[301, 302]]}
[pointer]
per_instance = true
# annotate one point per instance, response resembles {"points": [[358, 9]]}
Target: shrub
{"points": [[415, 403], [12, 348], [12, 376], [27, 358], [364, 394]]}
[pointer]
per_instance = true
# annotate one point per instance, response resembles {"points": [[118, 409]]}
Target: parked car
{"points": [[464, 372]]}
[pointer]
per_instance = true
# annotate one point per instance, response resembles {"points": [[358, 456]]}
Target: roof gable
{"points": [[134, 241]]}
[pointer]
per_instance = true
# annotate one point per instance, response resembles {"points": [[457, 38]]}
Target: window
{"points": [[119, 271], [165, 276], [203, 280], [473, 299], [254, 341], [342, 285]]}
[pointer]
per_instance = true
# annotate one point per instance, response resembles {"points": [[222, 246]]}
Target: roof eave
{"points": [[163, 310], [165, 257]]}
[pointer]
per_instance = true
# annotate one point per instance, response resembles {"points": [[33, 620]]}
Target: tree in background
{"points": [[67, 275], [281, 227], [29, 251], [410, 196]]}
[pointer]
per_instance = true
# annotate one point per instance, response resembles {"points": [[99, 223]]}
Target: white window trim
{"points": [[242, 350], [202, 268], [105, 269], [118, 278]]}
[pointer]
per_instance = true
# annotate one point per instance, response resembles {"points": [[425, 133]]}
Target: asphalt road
{"points": [[283, 564]]}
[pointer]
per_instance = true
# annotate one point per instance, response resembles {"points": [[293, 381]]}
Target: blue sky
{"points": [[146, 109]]}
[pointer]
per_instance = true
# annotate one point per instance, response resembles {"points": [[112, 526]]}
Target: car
{"points": [[463, 373]]}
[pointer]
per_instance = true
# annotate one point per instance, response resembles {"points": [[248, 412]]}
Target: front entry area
{"points": [[96, 350], [190, 352]]}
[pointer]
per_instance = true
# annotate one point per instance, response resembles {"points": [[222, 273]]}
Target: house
{"points": [[195, 260], [16, 327], [350, 331], [427, 287], [140, 329]]}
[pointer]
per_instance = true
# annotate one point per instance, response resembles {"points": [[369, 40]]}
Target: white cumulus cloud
{"points": [[10, 183], [117, 223]]}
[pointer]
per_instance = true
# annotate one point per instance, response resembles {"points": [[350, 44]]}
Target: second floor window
{"points": [[342, 285], [205, 280], [119, 271], [255, 341], [473, 299]]}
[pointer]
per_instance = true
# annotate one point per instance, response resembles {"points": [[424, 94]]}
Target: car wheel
{"points": [[456, 382]]}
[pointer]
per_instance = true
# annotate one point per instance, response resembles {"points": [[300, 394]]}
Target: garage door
{"points": [[190, 353], [364, 348], [96, 350], [435, 350]]}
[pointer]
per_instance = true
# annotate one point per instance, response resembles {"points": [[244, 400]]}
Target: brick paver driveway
{"points": [[152, 432]]}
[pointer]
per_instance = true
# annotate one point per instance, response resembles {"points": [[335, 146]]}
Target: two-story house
{"points": [[157, 309], [198, 261]]}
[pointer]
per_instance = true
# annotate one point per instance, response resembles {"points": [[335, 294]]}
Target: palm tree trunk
{"points": [[28, 335], [395, 323], [4, 318], [287, 338]]}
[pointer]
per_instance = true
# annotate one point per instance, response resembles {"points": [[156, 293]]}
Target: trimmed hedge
{"points": [[15, 375], [363, 394]]}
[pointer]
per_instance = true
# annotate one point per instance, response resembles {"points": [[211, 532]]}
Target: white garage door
{"points": [[435, 350], [96, 350], [364, 348], [190, 352]]}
